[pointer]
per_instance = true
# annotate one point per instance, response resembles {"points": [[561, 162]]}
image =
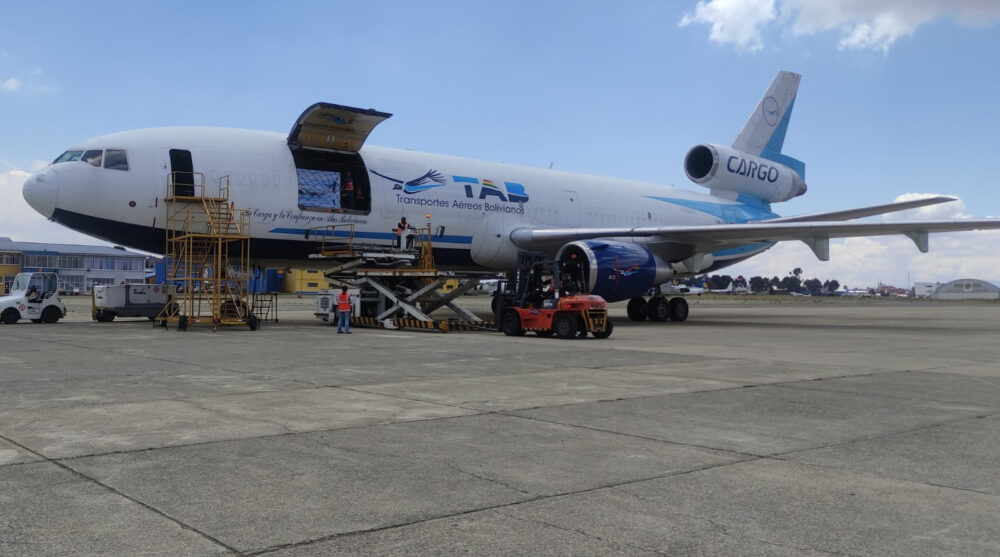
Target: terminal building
{"points": [[79, 267]]}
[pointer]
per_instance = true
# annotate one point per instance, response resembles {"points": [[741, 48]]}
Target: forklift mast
{"points": [[531, 269]]}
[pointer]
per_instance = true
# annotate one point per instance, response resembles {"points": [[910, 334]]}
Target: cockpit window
{"points": [[68, 156], [93, 157], [115, 159]]}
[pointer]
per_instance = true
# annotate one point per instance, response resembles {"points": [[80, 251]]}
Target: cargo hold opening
{"points": [[325, 143], [332, 182]]}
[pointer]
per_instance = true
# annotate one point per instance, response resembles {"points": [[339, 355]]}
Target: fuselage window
{"points": [[93, 157], [68, 156], [115, 159]]}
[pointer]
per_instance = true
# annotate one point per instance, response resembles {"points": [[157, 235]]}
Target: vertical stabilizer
{"points": [[764, 132]]}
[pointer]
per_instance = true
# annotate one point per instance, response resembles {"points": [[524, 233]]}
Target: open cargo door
{"points": [[332, 127]]}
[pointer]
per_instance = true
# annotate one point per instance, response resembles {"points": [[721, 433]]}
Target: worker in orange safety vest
{"points": [[343, 311]]}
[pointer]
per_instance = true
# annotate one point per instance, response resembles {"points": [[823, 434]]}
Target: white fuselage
{"points": [[473, 205]]}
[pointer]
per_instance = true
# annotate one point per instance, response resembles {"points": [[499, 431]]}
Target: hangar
{"points": [[967, 289]]}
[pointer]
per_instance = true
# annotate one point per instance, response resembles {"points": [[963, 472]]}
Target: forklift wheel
{"points": [[565, 326], [512, 324]]}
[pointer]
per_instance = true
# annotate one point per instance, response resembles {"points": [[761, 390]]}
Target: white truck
{"points": [[33, 296], [131, 300]]}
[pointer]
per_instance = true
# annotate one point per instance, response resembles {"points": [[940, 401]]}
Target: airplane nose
{"points": [[41, 190]]}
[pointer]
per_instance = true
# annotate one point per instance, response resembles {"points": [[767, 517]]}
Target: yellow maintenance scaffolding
{"points": [[208, 254]]}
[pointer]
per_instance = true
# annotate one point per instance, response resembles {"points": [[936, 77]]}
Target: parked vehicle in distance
{"points": [[33, 296]]}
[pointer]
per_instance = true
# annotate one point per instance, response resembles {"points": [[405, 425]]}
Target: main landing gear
{"points": [[658, 309]]}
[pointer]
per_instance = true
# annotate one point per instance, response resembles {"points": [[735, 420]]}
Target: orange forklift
{"points": [[547, 299]]}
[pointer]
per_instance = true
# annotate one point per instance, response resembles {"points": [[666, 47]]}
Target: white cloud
{"points": [[941, 211], [12, 84], [863, 24], [734, 21], [895, 260]]}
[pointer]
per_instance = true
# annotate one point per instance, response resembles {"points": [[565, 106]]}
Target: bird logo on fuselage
{"points": [[432, 179]]}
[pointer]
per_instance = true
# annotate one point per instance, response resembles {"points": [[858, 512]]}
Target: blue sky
{"points": [[897, 97]]}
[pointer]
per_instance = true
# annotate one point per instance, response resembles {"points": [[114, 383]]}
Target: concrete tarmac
{"points": [[808, 427]]}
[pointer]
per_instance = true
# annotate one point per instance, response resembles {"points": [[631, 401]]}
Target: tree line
{"points": [[792, 282]]}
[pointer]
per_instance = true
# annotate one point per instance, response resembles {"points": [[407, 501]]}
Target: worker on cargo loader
{"points": [[401, 229], [343, 311]]}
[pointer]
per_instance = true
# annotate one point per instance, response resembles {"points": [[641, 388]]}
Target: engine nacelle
{"points": [[726, 169], [616, 270]]}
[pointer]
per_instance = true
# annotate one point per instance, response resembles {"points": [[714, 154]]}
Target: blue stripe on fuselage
{"points": [[447, 239]]}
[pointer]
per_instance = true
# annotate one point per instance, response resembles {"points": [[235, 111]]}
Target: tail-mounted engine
{"points": [[615, 270], [727, 170]]}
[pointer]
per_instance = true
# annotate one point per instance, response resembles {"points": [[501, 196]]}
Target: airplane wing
{"points": [[815, 234], [851, 214]]}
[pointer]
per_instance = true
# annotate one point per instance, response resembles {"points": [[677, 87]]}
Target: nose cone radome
{"points": [[41, 191]]}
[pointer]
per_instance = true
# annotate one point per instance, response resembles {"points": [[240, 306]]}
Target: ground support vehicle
{"points": [[398, 287], [131, 300], [33, 296], [545, 299]]}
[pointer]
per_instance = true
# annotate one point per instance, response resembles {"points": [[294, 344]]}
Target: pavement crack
{"points": [[460, 470], [583, 533], [90, 479]]}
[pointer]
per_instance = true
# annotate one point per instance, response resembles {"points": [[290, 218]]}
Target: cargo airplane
{"points": [[631, 237]]}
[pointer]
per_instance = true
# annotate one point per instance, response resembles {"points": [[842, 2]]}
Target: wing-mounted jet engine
{"points": [[622, 270]]}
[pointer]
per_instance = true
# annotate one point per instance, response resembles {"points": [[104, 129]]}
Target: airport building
{"points": [[967, 289], [79, 267]]}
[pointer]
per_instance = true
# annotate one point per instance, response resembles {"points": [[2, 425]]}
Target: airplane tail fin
{"points": [[763, 134]]}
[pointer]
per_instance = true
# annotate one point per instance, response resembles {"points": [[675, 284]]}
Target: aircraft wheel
{"points": [[608, 327], [659, 311], [512, 324], [51, 314], [637, 309], [10, 316], [678, 309], [565, 326]]}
